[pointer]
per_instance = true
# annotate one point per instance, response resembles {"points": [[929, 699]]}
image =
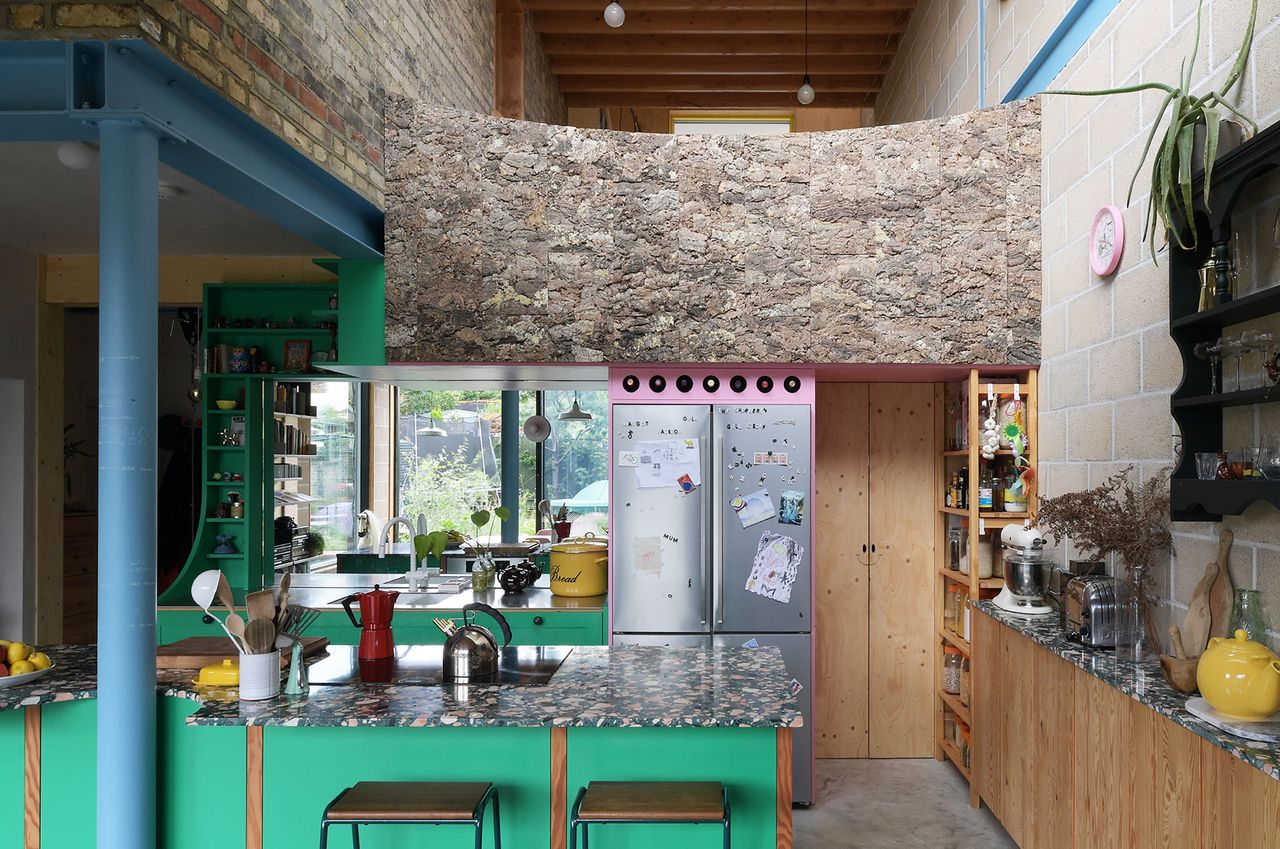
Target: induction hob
{"points": [[518, 666]]}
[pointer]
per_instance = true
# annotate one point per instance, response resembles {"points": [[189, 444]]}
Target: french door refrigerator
{"points": [[683, 552]]}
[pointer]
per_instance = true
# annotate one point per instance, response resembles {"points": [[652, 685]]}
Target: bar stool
{"points": [[649, 802], [413, 802]]}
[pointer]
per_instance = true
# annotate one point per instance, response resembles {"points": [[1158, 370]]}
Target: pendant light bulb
{"points": [[806, 93], [614, 14]]}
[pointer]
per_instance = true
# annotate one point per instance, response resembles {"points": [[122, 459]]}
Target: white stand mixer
{"points": [[1024, 561]]}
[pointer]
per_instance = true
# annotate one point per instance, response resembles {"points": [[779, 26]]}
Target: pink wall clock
{"points": [[1106, 240]]}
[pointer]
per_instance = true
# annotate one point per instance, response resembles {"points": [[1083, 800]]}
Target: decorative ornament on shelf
{"points": [[1106, 241], [614, 14], [228, 436], [226, 544], [989, 441]]}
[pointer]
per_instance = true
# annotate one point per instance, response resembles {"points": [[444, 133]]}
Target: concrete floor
{"points": [[895, 804]]}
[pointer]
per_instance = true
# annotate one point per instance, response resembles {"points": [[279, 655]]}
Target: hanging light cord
{"points": [[806, 39]]}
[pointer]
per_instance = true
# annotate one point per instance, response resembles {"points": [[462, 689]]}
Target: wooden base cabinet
{"points": [[1071, 763]]}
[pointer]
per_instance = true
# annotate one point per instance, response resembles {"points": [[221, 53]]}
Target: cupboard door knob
{"points": [[207, 619], [537, 620]]}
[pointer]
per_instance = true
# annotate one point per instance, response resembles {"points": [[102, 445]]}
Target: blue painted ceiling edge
{"points": [[1081, 21], [59, 91]]}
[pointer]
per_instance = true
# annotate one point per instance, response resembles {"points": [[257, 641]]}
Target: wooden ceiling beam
{"points": [[854, 6], [715, 100], [694, 23], [656, 65], [864, 83], [718, 45]]}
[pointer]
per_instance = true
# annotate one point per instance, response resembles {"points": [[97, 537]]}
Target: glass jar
{"points": [[955, 541], [951, 610], [964, 743], [952, 662], [949, 727], [966, 682], [1246, 613]]}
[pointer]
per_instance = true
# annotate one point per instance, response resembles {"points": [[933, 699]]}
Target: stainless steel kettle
{"points": [[471, 652]]}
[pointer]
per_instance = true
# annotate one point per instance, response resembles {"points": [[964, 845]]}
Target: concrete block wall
{"points": [[1109, 364], [316, 72], [935, 72]]}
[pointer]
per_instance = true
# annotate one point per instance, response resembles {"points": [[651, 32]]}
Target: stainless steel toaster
{"points": [[1091, 610]]}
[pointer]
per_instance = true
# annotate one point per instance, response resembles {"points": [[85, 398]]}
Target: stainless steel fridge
{"points": [[683, 552]]}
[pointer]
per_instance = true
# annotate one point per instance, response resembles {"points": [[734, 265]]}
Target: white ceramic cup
{"points": [[259, 676]]}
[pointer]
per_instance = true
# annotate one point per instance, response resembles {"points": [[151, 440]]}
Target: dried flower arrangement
{"points": [[1118, 517]]}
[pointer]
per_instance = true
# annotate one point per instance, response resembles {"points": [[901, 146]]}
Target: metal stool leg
{"points": [[355, 836], [586, 836], [324, 835], [497, 822], [727, 818]]}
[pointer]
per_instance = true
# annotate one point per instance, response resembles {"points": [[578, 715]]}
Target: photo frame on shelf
{"points": [[297, 355]]}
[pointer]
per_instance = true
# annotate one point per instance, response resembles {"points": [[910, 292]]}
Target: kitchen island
{"points": [[269, 768]]}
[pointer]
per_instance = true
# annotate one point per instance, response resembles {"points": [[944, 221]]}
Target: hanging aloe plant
{"points": [[1170, 201]]}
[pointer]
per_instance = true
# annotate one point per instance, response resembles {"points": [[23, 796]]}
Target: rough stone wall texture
{"points": [[511, 241], [316, 72]]}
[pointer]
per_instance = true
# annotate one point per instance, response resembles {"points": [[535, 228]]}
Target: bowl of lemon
{"points": [[21, 664]]}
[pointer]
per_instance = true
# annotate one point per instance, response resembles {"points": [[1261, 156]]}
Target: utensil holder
{"points": [[259, 676]]}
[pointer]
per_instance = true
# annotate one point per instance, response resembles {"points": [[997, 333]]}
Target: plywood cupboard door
{"points": [[988, 733], [840, 530], [1239, 805], [1051, 681], [1099, 772], [900, 623], [1163, 802]]}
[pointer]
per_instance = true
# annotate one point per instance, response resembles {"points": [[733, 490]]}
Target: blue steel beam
{"points": [[128, 274], [55, 91], [511, 464]]}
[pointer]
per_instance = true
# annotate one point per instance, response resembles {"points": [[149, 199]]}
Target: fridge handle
{"points": [[717, 524], [704, 503]]}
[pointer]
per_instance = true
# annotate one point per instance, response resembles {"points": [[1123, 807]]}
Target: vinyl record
{"points": [[537, 428]]}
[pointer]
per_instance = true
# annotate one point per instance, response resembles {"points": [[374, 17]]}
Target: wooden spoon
{"points": [[260, 636], [1175, 636], [261, 605], [236, 626], [224, 594]]}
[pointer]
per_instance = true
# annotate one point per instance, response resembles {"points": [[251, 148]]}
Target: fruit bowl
{"points": [[225, 404], [26, 677]]}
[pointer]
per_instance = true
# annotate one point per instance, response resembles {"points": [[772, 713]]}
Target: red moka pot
{"points": [[377, 606]]}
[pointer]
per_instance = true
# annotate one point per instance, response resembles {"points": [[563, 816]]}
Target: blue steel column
{"points": [[128, 324], [511, 464]]}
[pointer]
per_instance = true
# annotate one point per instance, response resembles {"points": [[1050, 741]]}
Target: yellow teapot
{"points": [[1240, 678]]}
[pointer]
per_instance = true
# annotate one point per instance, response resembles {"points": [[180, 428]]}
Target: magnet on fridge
{"points": [[685, 483], [795, 687], [628, 459], [738, 503], [752, 643]]}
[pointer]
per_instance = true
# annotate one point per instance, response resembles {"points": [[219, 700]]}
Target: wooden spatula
{"points": [[261, 605], [1195, 628], [1221, 591], [260, 636]]}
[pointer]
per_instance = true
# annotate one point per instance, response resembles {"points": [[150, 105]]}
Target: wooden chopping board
{"points": [[195, 652], [1195, 628], [1221, 592]]}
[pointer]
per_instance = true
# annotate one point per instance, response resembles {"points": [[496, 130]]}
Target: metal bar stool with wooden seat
{"points": [[649, 802], [413, 803]]}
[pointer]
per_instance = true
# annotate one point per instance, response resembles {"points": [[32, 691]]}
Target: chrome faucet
{"points": [[413, 551]]}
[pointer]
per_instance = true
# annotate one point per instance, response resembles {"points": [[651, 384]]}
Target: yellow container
{"points": [[1240, 678], [225, 674], [580, 567]]}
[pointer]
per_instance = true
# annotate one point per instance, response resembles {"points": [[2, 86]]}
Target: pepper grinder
{"points": [[1222, 265], [297, 684]]}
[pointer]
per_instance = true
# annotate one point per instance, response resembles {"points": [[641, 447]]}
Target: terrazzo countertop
{"points": [[624, 686], [1140, 681]]}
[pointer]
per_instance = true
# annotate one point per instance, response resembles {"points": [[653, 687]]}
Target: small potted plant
{"points": [[1190, 144], [433, 544]]}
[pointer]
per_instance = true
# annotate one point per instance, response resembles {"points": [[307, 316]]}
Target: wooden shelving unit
{"points": [[984, 528]]}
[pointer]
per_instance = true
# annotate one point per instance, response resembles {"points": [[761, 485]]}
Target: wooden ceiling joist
{"points": [[713, 100], [866, 83], [671, 24], [668, 65], [720, 45]]}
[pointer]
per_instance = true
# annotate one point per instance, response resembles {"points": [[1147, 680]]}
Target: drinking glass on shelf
{"points": [[1261, 342], [1212, 353], [1233, 346], [1207, 465], [1269, 457]]}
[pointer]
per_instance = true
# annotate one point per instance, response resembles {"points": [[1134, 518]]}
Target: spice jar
{"points": [[952, 661], [966, 682]]}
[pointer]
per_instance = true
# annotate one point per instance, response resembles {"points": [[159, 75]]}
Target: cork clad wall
{"points": [[514, 241], [315, 72]]}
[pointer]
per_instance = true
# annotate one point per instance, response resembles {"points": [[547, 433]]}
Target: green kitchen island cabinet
{"points": [[260, 773]]}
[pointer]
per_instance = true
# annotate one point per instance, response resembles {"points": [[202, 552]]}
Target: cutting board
{"points": [[1221, 592], [1264, 731], [195, 652]]}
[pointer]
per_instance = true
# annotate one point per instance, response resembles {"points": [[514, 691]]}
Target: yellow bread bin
{"points": [[580, 567], [1240, 678], [224, 674]]}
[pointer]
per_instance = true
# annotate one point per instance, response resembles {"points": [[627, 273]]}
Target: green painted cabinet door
{"points": [[12, 775], [556, 628], [742, 758], [304, 768]]}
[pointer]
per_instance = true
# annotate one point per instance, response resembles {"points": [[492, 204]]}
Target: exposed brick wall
{"points": [[509, 241], [316, 72]]}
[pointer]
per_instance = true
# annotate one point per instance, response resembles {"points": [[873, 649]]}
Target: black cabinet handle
{"points": [[207, 619], [537, 620]]}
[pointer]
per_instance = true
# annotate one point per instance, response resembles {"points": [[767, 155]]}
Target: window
{"points": [[575, 460], [731, 123], [334, 470]]}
